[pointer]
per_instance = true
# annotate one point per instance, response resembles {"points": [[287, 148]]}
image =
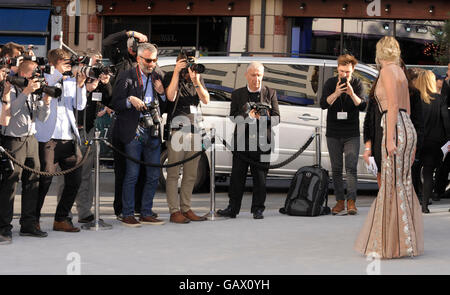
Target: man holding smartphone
{"points": [[342, 96]]}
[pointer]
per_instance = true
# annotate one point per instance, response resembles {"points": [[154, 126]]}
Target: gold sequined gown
{"points": [[394, 225]]}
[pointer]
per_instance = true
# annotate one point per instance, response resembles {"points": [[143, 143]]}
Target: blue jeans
{"points": [[337, 148], [146, 149]]}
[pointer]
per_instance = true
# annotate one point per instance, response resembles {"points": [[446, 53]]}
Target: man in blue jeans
{"points": [[134, 91], [342, 96]]}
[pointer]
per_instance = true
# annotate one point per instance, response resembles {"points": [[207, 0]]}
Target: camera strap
{"points": [[141, 83]]}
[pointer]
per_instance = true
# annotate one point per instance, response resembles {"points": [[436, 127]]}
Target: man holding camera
{"points": [[99, 92], [59, 140], [342, 96], [265, 98], [137, 96], [186, 88], [19, 140]]}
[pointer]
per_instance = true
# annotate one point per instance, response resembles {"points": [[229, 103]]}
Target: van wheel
{"points": [[202, 173]]}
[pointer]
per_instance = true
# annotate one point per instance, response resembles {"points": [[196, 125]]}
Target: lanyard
{"points": [[141, 83]]}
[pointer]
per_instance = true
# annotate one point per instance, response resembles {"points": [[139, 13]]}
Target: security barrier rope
{"points": [[225, 143], [43, 173]]}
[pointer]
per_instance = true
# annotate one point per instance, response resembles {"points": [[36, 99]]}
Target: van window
{"points": [[366, 79], [219, 80], [296, 85]]}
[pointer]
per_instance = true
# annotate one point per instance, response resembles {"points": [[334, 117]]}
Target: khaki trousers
{"points": [[181, 146]]}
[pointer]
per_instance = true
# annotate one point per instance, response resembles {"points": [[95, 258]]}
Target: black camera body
{"points": [[190, 60], [152, 117], [261, 109], [96, 70], [22, 82]]}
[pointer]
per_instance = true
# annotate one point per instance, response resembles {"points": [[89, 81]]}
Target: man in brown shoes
{"points": [[186, 88], [339, 208]]}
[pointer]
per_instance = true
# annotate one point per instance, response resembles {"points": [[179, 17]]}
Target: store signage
{"points": [[374, 8]]}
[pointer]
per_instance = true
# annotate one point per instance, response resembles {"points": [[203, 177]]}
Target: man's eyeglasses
{"points": [[149, 60]]}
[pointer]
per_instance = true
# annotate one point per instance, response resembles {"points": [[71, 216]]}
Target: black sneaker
{"points": [[5, 239], [32, 232]]}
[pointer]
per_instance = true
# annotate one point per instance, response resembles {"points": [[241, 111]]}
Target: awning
{"points": [[24, 26]]}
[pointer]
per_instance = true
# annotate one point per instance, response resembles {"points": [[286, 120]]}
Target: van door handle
{"points": [[308, 117]]}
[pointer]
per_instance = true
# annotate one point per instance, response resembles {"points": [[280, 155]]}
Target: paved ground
{"points": [[278, 244]]}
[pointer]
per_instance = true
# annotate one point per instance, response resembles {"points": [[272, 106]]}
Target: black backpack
{"points": [[308, 193]]}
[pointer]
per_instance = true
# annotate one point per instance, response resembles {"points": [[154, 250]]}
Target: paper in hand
{"points": [[372, 166], [445, 148]]}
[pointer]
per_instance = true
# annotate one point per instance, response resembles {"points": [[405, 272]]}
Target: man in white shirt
{"points": [[59, 138]]}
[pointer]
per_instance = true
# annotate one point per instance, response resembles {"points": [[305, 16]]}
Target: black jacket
{"points": [[240, 97], [343, 128], [437, 123], [127, 84]]}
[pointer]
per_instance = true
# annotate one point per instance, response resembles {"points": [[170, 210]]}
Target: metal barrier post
{"points": [[318, 151], [97, 223], [212, 215]]}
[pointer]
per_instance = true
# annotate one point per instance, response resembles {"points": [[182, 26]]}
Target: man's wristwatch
{"points": [[5, 102]]}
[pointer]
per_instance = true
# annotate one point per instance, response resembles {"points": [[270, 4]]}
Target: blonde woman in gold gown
{"points": [[394, 225]]}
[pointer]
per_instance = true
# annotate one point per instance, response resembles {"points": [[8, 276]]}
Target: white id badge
{"points": [[342, 115], [96, 96], [193, 109]]}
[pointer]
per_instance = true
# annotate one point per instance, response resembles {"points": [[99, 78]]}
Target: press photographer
{"points": [[19, 140], [59, 140], [185, 88], [135, 94], [10, 56], [253, 104], [99, 94]]}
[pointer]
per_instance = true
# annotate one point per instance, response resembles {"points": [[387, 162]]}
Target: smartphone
{"points": [[343, 81]]}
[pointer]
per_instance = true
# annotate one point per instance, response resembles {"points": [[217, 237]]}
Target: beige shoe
{"points": [[338, 208], [351, 207]]}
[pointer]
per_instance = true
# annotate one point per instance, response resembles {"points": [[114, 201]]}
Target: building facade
{"points": [[271, 27]]}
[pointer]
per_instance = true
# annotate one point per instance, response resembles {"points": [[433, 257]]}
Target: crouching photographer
{"points": [[250, 106], [138, 97], [19, 140], [186, 88]]}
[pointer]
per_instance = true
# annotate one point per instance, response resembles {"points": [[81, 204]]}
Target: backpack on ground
{"points": [[308, 192], [309, 189]]}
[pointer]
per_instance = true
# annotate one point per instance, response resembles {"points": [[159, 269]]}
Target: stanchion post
{"points": [[97, 223], [212, 215], [318, 152]]}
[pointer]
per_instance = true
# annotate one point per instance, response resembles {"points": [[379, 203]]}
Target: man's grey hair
{"points": [[255, 65], [146, 46]]}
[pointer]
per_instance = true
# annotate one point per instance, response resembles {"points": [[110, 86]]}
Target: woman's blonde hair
{"points": [[426, 84], [388, 49]]}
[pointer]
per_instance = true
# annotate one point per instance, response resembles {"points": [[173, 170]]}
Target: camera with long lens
{"points": [[261, 109], [96, 70], [190, 60], [75, 60], [22, 82], [151, 118], [10, 62]]}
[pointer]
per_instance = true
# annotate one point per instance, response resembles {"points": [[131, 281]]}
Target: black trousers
{"points": [[26, 152], [119, 174], [60, 152], [431, 157], [237, 182]]}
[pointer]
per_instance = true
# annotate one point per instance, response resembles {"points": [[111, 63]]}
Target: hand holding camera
{"points": [[33, 85], [137, 103]]}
